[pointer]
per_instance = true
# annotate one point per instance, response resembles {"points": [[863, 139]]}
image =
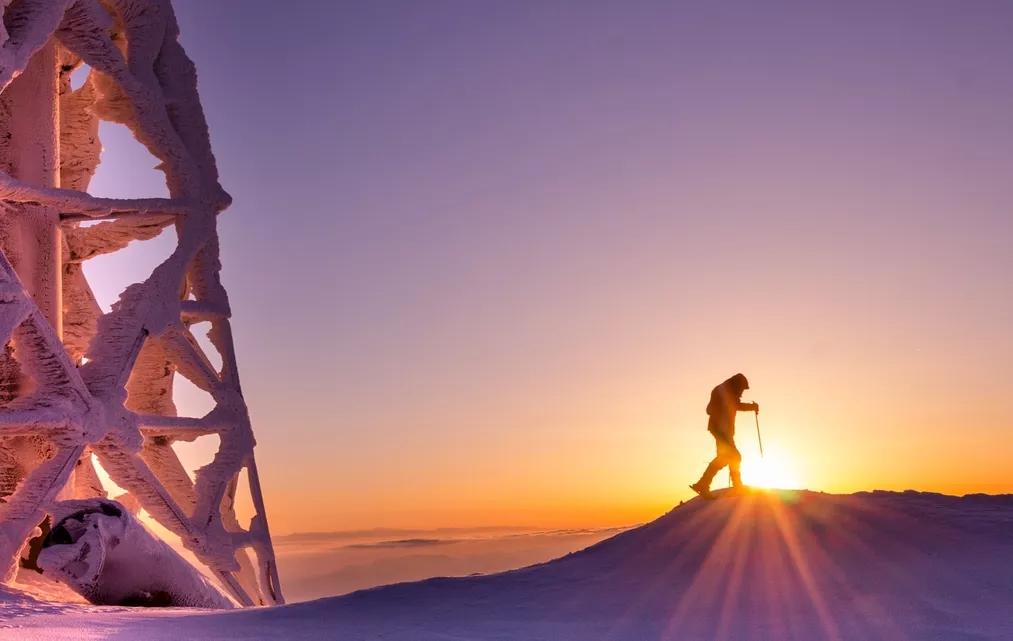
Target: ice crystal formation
{"points": [[78, 385]]}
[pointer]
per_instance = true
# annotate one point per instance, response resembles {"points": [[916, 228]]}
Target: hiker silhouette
{"points": [[726, 400]]}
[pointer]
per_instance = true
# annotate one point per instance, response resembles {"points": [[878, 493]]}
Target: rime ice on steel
{"points": [[74, 382]]}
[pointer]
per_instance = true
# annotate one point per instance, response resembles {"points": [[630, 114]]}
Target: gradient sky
{"points": [[486, 260]]}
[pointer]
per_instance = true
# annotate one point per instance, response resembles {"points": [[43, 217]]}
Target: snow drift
{"points": [[769, 565]]}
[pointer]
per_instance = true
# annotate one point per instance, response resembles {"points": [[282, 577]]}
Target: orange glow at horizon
{"points": [[613, 452]]}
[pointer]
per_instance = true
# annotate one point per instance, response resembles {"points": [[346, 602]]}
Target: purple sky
{"points": [[512, 245]]}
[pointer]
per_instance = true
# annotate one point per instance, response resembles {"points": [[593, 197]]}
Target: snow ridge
{"points": [[771, 566]]}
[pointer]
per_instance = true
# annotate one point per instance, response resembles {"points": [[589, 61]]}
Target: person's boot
{"points": [[703, 490]]}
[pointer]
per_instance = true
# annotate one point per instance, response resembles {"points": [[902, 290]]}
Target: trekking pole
{"points": [[758, 437]]}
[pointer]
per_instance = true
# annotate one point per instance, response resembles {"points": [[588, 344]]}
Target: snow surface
{"points": [[778, 566]]}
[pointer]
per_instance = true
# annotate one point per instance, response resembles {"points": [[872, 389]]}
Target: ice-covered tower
{"points": [[77, 385]]}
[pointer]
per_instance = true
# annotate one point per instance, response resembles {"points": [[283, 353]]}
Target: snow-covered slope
{"points": [[779, 566]]}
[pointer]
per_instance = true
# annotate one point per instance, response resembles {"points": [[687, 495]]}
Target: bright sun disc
{"points": [[774, 471]]}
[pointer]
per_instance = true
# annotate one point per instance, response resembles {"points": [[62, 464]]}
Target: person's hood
{"points": [[738, 383]]}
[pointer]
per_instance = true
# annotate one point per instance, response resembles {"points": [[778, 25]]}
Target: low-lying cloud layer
{"points": [[319, 564]]}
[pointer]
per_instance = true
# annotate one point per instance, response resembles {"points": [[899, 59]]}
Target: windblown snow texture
{"points": [[789, 566], [104, 388]]}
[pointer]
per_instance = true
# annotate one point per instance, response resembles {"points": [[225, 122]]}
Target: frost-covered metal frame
{"points": [[104, 386]]}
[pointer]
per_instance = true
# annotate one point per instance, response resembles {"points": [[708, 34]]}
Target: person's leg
{"points": [[713, 467], [708, 475], [734, 458]]}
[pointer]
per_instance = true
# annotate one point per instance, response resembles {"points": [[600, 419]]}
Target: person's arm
{"points": [[749, 407]]}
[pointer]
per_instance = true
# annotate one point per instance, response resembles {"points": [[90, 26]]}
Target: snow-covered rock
{"points": [[104, 554]]}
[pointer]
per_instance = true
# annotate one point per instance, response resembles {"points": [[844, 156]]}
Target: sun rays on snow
{"points": [[773, 547]]}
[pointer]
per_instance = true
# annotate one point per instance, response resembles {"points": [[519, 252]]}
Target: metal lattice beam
{"points": [[76, 382]]}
